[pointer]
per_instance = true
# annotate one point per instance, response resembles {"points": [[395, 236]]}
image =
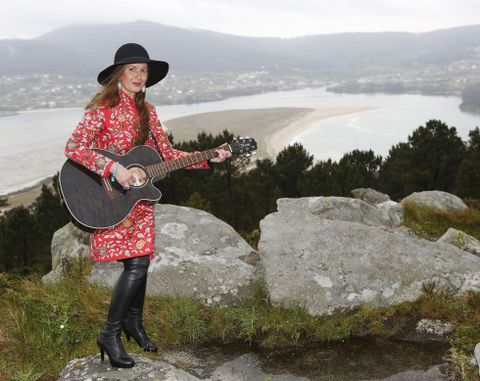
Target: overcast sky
{"points": [[280, 18]]}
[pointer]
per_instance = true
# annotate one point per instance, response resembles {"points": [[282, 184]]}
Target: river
{"points": [[32, 143]]}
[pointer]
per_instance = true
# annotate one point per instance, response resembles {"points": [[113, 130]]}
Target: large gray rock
{"points": [[461, 240], [91, 368], [196, 255], [336, 208], [436, 199], [69, 245], [370, 196], [323, 264], [392, 212], [407, 232]]}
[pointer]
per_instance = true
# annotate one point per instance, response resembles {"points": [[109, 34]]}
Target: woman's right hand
{"points": [[124, 177]]}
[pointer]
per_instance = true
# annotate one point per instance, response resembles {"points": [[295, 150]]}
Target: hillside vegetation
{"points": [[43, 327]]}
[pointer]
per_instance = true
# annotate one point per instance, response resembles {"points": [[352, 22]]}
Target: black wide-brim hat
{"points": [[135, 53]]}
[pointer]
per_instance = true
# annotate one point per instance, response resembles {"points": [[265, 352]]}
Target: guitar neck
{"points": [[164, 167]]}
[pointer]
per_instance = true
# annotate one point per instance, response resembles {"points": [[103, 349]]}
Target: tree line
{"points": [[26, 233], [242, 193]]}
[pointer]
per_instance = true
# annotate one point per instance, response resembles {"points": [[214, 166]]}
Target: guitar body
{"points": [[98, 203], [94, 202]]}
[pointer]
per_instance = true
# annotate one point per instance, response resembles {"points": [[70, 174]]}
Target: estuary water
{"points": [[32, 143]]}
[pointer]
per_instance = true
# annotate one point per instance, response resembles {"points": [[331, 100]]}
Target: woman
{"points": [[117, 119]]}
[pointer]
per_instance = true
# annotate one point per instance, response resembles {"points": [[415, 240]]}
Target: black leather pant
{"points": [[130, 288]]}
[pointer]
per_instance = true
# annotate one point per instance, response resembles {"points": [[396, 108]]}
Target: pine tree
{"points": [[50, 216], [467, 182], [358, 169], [197, 201], [322, 180], [20, 239], [290, 166], [429, 161], [4, 258]]}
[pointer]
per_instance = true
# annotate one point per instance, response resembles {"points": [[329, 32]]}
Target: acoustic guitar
{"points": [[95, 202]]}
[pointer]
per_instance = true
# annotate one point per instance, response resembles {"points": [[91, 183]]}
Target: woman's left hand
{"points": [[222, 154]]}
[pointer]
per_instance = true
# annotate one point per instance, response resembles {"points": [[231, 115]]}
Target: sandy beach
{"points": [[272, 128], [282, 138], [261, 124], [25, 196]]}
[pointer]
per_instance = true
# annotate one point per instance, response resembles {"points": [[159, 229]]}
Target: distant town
{"points": [[449, 79], [43, 91], [47, 91]]}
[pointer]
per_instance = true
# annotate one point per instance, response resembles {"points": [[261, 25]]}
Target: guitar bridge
{"points": [[107, 187]]}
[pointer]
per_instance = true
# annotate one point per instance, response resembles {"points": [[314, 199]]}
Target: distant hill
{"points": [[82, 50]]}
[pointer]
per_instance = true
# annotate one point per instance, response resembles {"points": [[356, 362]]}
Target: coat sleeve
{"points": [[79, 145], [166, 148]]}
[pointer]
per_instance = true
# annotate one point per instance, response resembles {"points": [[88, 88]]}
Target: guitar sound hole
{"points": [[139, 175]]}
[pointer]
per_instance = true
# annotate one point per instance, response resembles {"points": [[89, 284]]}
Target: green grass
{"points": [[435, 303], [42, 327], [252, 238], [431, 224]]}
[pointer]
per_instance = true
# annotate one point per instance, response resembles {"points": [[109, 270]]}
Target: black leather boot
{"points": [[109, 341], [127, 287], [132, 324]]}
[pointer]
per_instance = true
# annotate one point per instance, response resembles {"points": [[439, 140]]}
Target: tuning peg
{"points": [[248, 155], [254, 152], [241, 137]]}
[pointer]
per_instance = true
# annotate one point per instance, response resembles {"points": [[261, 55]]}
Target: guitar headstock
{"points": [[243, 146]]}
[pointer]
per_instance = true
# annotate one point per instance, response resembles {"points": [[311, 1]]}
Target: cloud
{"points": [[284, 18]]}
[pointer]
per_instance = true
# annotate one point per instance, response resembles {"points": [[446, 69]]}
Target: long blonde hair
{"points": [[108, 97]]}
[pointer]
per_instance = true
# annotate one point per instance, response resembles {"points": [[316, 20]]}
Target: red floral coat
{"points": [[115, 129]]}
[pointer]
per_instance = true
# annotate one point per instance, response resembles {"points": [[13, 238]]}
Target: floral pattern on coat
{"points": [[115, 129]]}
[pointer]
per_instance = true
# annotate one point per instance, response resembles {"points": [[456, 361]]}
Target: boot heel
{"points": [[116, 353], [102, 353], [132, 326]]}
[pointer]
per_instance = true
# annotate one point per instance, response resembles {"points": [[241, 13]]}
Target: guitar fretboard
{"points": [[164, 167]]}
